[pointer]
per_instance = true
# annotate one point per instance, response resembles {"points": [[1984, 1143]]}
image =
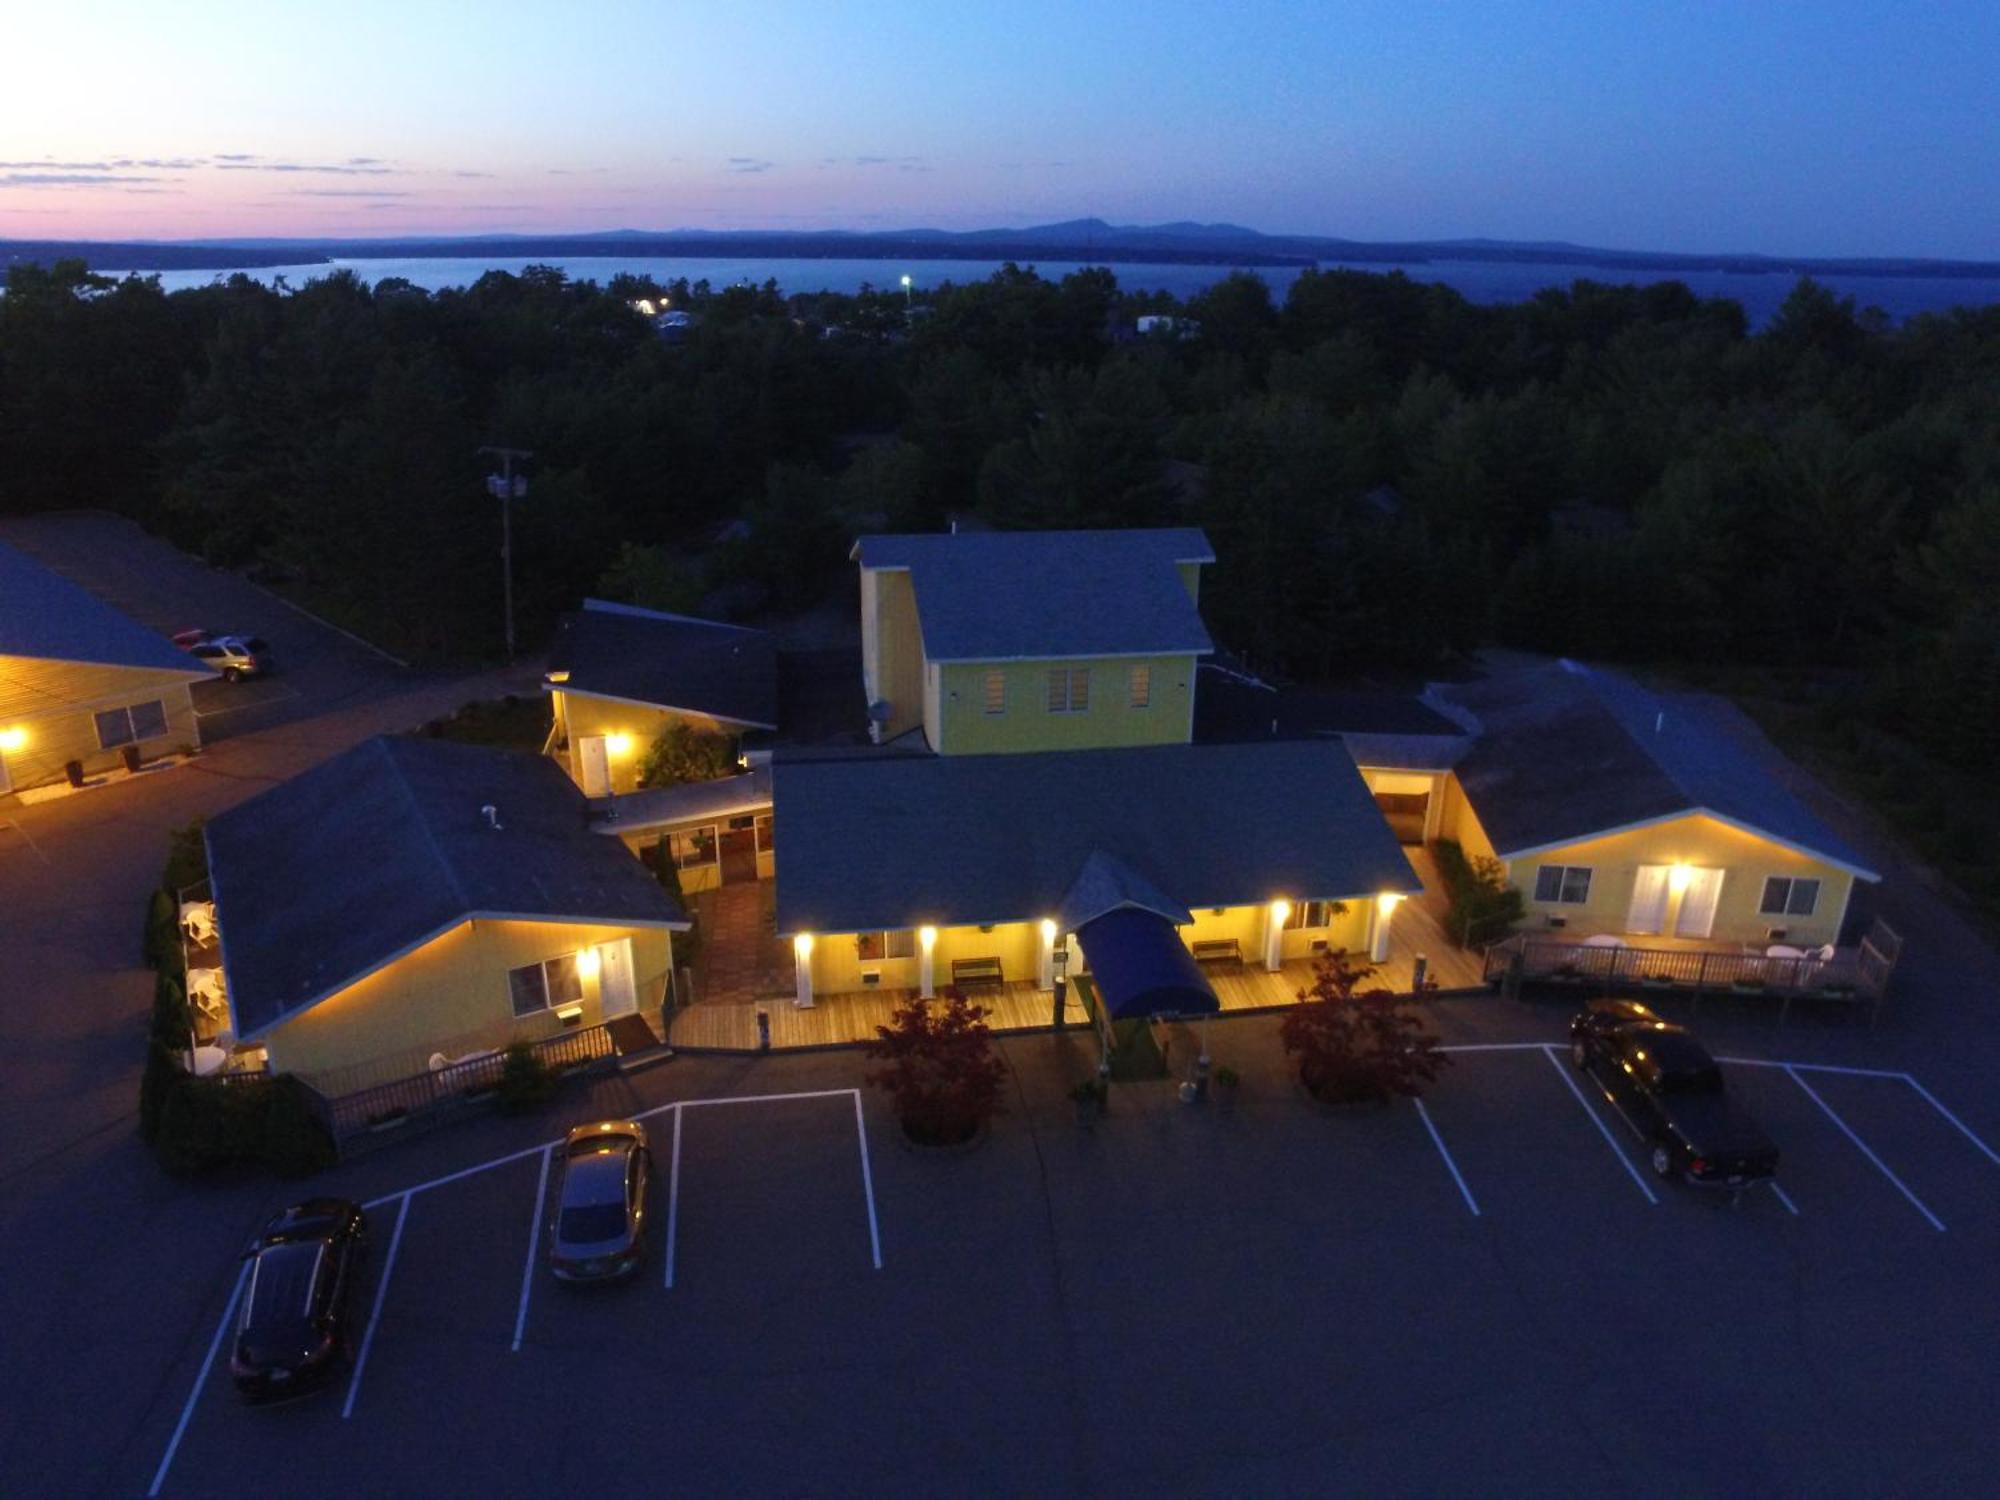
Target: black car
{"points": [[293, 1330], [1671, 1092]]}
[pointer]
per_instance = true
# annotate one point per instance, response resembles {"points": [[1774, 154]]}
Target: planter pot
{"points": [[943, 1148]]}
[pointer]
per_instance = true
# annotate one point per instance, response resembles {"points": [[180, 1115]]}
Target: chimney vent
{"points": [[491, 814], [1660, 722]]}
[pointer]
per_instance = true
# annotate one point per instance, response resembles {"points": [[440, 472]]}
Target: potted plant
{"points": [[941, 1071], [1357, 1047], [1090, 1098], [1223, 1083]]}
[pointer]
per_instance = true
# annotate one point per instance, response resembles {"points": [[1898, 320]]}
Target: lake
{"points": [[1478, 281]]}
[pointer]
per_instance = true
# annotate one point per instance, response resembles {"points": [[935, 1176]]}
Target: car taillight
{"points": [[1698, 1166]]}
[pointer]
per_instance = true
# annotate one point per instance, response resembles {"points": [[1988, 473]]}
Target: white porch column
{"points": [[1381, 921], [802, 963], [1275, 916], [927, 962], [1045, 965]]}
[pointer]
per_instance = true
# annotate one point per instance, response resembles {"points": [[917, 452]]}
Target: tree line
{"points": [[1390, 474]]}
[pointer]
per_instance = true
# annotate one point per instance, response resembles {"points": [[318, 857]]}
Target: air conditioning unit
{"points": [[870, 978], [1775, 934], [1557, 921], [570, 1015], [1319, 945]]}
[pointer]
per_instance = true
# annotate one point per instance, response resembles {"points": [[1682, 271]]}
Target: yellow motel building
{"points": [[83, 687], [413, 902]]}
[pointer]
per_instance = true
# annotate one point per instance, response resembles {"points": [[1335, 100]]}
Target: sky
{"points": [[1838, 127]]}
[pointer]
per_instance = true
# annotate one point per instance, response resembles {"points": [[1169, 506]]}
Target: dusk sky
{"points": [[1835, 127]]}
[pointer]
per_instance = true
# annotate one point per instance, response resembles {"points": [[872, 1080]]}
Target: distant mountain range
{"points": [[1087, 240]]}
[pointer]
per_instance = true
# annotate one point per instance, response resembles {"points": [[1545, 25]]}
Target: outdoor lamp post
{"points": [[507, 487], [907, 296]]}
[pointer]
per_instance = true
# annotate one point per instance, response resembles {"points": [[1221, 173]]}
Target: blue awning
{"points": [[1142, 968]]}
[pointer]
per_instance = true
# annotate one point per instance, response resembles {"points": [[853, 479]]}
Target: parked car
{"points": [[235, 656], [1671, 1092], [599, 1231], [292, 1333]]}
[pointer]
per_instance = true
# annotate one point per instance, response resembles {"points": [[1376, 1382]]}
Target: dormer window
{"points": [[1069, 690], [996, 692]]}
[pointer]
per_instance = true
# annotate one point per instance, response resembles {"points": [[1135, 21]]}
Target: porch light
{"points": [[618, 744], [1280, 910], [1387, 902], [928, 937], [13, 739], [587, 963], [1048, 929], [802, 946], [1678, 878]]}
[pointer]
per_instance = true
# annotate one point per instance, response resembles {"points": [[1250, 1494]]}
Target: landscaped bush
{"points": [[1358, 1046], [187, 860], [942, 1072], [162, 943], [526, 1082], [1482, 905], [170, 1026], [683, 753]]}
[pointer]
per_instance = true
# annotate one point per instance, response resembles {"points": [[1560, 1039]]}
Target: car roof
{"points": [[1674, 1048], [597, 1176], [283, 1281]]}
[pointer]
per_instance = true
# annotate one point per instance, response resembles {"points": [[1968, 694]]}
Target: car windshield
{"points": [[592, 1223], [282, 1284]]}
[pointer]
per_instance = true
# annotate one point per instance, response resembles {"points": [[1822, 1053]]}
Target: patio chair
{"points": [[205, 984], [198, 920]]}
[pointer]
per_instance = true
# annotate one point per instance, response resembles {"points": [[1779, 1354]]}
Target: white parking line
{"points": [[1864, 1148], [201, 1380], [1616, 1150], [1438, 1141], [867, 1182], [236, 708], [1765, 1062], [1784, 1198], [1963, 1129], [534, 1244], [374, 1317], [1495, 1047], [674, 1201]]}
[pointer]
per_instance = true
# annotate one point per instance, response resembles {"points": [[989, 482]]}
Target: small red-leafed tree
{"points": [[1358, 1045], [940, 1068]]}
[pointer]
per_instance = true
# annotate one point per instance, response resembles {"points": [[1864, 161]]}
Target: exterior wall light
{"points": [[13, 739], [802, 946], [588, 963], [927, 936], [1048, 929], [618, 744], [1280, 910], [1678, 878]]}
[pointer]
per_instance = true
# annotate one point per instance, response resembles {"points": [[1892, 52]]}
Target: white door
{"points": [[1698, 903], [617, 990], [6, 781], [1649, 900], [593, 761]]}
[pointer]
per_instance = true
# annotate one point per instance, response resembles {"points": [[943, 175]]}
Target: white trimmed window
{"points": [[1142, 687], [1069, 690], [692, 846], [767, 834], [1789, 896], [996, 692], [869, 946], [1563, 885], [127, 726], [1310, 915], [543, 986]]}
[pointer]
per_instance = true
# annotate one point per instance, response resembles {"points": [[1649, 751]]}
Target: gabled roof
{"points": [[667, 661], [900, 841], [1032, 595], [1565, 752], [690, 802], [1105, 885], [339, 871], [44, 615]]}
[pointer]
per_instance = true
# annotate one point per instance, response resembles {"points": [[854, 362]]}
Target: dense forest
{"points": [[1389, 473]]}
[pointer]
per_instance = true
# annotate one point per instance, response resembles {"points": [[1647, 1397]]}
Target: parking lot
{"points": [[1490, 1292]]}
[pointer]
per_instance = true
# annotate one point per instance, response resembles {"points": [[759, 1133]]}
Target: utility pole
{"points": [[505, 488]]}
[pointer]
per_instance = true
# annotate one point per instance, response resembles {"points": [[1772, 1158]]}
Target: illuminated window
{"points": [[545, 985], [1142, 687], [1564, 885], [1069, 690], [1789, 897], [1309, 914], [869, 946], [996, 692], [694, 846]]}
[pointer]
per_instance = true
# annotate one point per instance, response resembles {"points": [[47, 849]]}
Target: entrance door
{"points": [[739, 854], [1649, 901], [1698, 903], [593, 762], [617, 988]]}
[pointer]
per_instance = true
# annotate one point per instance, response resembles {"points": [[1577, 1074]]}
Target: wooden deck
{"points": [[849, 1018]]}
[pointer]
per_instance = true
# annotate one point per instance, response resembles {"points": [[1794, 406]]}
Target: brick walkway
{"points": [[741, 956]]}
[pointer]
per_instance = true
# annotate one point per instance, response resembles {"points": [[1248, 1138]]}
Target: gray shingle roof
{"points": [[1386, 730], [691, 802], [894, 842], [699, 666], [44, 615], [1564, 752], [1026, 595], [330, 875]]}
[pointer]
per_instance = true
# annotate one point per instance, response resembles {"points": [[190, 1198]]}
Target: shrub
{"points": [[683, 753], [526, 1082], [162, 943], [1482, 905], [169, 1025], [295, 1142], [1357, 1045], [942, 1072], [162, 1076], [204, 1125], [187, 860]]}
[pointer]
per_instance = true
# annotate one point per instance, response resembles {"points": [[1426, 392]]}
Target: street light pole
{"points": [[907, 298], [505, 488]]}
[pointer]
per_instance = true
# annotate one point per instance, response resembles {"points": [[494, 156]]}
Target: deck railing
{"points": [[1859, 973]]}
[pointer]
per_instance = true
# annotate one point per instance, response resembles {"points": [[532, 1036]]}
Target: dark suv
{"points": [[293, 1330]]}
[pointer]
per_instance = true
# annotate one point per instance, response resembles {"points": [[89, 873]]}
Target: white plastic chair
{"points": [[198, 920]]}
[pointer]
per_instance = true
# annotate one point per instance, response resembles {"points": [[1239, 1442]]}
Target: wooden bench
{"points": [[1218, 951], [975, 971]]}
